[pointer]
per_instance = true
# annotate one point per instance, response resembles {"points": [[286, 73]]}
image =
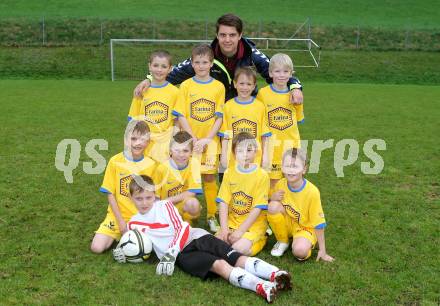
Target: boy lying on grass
{"points": [[194, 250]]}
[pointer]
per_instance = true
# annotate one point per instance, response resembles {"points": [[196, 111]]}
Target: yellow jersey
{"points": [[242, 190], [118, 175], [247, 117], [201, 103], [155, 107], [179, 180], [282, 118], [303, 204], [244, 117]]}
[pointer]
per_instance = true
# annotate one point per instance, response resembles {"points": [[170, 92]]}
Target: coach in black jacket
{"points": [[231, 50]]}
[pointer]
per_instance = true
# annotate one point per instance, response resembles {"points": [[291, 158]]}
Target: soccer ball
{"points": [[136, 246]]}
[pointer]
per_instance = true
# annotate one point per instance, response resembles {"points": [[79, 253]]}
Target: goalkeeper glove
{"points": [[119, 255], [166, 264]]}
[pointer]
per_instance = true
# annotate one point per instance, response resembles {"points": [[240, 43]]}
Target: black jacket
{"points": [[252, 57]]}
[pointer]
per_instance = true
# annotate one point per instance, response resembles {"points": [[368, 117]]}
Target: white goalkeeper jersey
{"points": [[165, 227]]}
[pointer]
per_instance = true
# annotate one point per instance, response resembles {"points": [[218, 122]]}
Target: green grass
{"points": [[382, 229], [392, 14]]}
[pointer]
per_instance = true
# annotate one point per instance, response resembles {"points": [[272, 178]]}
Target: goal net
{"points": [[129, 57]]}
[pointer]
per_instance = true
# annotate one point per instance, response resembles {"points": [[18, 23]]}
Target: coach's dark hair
{"points": [[243, 136], [294, 153], [161, 53], [203, 49], [230, 20], [140, 183], [182, 137]]}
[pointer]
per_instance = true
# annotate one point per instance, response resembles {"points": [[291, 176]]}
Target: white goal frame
{"points": [[267, 46]]}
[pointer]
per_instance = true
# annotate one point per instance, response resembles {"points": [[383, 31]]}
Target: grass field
{"points": [[407, 13], [382, 229]]}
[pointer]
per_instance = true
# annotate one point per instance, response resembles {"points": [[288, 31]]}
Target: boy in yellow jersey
{"points": [[155, 106], [295, 211], [282, 116], [183, 180], [118, 175], [244, 113], [200, 110], [243, 199]]}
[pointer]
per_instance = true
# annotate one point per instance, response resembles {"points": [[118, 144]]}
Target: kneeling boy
{"points": [[243, 199], [295, 210], [183, 180], [115, 185]]}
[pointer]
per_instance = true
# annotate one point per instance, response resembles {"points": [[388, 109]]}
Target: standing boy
{"points": [[200, 111], [244, 113], [282, 116], [155, 106]]}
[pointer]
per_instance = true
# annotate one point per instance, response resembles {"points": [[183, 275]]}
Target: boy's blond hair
{"points": [[243, 137], [282, 60], [203, 49], [140, 183]]}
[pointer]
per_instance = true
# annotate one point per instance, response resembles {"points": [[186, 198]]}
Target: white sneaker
{"points": [[269, 231], [213, 225], [279, 248], [267, 290]]}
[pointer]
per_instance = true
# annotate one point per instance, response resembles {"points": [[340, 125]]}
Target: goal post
{"points": [[129, 57]]}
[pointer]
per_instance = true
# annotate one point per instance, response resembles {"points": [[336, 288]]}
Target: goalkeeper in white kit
{"points": [[194, 250]]}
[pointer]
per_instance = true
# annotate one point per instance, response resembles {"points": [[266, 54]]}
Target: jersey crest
{"points": [[280, 118], [156, 112], [241, 203], [202, 110], [244, 125]]}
